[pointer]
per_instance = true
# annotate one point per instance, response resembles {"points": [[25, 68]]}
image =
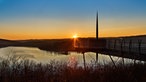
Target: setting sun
{"points": [[75, 36]]}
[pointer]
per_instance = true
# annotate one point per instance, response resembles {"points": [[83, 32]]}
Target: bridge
{"points": [[124, 47], [132, 48]]}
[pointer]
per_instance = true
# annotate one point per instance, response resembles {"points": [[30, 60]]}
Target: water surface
{"points": [[38, 55]]}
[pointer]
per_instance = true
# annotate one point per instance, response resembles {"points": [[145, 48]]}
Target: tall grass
{"points": [[14, 69]]}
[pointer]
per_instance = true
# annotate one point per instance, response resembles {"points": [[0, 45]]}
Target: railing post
{"points": [[124, 45], [115, 45], [108, 44], [139, 46], [121, 42], [130, 46]]}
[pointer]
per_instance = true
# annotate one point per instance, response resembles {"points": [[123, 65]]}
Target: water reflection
{"points": [[38, 55]]}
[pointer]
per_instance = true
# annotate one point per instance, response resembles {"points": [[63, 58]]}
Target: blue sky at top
{"points": [[59, 8]]}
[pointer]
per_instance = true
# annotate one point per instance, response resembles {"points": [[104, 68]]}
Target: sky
{"points": [[53, 19]]}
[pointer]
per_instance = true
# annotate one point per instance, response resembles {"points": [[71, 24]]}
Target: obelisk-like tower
{"points": [[97, 26], [97, 35]]}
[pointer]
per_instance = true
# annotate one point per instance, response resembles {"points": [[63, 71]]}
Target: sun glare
{"points": [[75, 36]]}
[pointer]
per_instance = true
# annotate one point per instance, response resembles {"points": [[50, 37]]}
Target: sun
{"points": [[75, 36]]}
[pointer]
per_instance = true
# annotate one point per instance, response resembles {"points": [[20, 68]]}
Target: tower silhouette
{"points": [[97, 26]]}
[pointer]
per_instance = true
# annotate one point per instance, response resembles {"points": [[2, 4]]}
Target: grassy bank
{"points": [[13, 69]]}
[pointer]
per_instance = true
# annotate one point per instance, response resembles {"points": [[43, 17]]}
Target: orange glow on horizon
{"points": [[40, 28], [75, 36]]}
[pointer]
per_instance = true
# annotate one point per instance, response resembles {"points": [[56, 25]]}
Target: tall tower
{"points": [[97, 26]]}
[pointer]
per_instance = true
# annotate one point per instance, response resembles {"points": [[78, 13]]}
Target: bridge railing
{"points": [[127, 45], [90, 43]]}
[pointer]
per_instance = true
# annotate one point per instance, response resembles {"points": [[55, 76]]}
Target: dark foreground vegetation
{"points": [[13, 69]]}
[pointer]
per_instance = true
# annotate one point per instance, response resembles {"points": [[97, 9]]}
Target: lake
{"points": [[41, 56]]}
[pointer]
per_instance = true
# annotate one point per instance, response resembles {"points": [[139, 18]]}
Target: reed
{"points": [[14, 69]]}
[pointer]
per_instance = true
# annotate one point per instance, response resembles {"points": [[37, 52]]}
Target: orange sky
{"points": [[65, 28], [52, 19]]}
